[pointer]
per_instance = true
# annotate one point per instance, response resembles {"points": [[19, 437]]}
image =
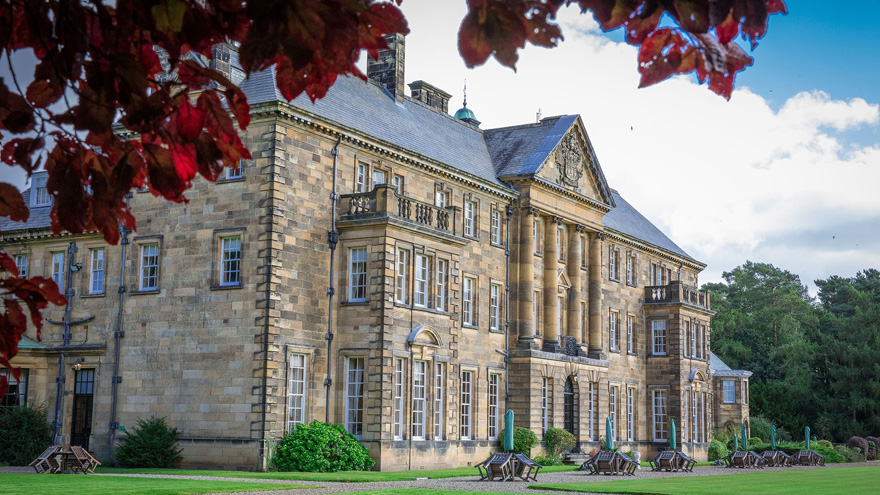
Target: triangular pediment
{"points": [[564, 281], [573, 165]]}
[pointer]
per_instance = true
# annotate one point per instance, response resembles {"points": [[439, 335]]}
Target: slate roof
{"points": [[39, 218], [627, 220], [371, 110], [718, 368], [521, 150]]}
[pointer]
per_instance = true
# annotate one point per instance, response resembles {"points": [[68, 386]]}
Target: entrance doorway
{"points": [[83, 402]]}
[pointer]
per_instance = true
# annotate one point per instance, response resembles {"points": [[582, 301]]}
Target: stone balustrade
{"points": [[677, 293], [383, 201]]}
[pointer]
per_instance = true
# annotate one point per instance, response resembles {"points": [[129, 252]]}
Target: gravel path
{"points": [[464, 483]]}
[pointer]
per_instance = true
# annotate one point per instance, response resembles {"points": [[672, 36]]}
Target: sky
{"points": [[786, 172]]}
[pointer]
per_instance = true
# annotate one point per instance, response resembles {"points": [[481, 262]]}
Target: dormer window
{"points": [[39, 193]]}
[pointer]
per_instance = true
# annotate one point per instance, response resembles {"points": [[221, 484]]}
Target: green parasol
{"points": [[807, 437], [672, 435], [508, 431], [735, 442], [609, 439], [745, 445], [773, 437]]}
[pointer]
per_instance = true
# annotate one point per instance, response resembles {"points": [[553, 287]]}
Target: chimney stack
{"points": [[388, 69], [430, 95]]}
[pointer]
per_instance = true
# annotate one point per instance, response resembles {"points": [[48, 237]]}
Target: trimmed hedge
{"points": [[717, 450], [558, 442], [24, 434], [321, 448], [524, 440], [831, 455], [152, 445]]}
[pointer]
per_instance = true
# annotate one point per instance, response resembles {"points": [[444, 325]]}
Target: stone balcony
{"points": [[384, 205], [677, 293]]}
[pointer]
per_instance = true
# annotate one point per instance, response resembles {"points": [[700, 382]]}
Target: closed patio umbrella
{"points": [[508, 431], [807, 437], [672, 435], [773, 437], [609, 439], [744, 440], [735, 442]]}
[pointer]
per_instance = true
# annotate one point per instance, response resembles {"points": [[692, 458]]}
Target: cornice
{"points": [[652, 249]]}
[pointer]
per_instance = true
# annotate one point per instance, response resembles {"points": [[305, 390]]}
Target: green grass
{"points": [[346, 476], [73, 484], [827, 481]]}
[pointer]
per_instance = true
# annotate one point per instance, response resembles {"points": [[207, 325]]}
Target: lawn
{"points": [[346, 476], [72, 484], [827, 481]]}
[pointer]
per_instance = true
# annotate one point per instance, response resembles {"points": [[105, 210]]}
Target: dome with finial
{"points": [[464, 113]]}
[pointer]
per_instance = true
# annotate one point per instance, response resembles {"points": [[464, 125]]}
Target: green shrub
{"points": [[558, 442], [321, 448], [851, 454], [524, 440], [754, 441], [722, 436], [548, 460], [872, 451], [152, 445], [831, 455], [759, 427], [717, 450], [24, 434], [825, 443]]}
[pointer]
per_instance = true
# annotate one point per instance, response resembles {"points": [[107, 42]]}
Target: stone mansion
{"points": [[472, 271]]}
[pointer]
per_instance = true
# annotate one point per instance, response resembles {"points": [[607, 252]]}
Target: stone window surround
{"points": [[85, 252], [472, 198], [138, 243], [217, 250], [500, 210], [307, 354], [500, 320], [632, 323], [613, 269], [474, 322], [347, 262], [614, 332]]}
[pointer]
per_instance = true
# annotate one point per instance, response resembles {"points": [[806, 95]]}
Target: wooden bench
{"points": [[686, 462], [483, 467], [525, 467], [83, 462], [46, 462], [664, 461], [625, 464]]}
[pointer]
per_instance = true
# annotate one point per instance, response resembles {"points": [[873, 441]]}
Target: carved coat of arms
{"points": [[570, 161]]}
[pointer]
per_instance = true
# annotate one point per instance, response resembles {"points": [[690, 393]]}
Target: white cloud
{"points": [[723, 179]]}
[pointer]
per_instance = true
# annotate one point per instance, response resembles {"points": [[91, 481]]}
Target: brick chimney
{"points": [[430, 95], [388, 69]]}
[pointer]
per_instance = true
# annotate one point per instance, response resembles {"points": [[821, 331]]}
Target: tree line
{"points": [[815, 360]]}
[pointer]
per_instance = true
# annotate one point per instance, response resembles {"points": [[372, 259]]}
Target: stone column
{"points": [[573, 267], [526, 282], [551, 286], [595, 257]]}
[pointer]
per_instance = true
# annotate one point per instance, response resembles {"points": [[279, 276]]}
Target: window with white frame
{"points": [[630, 415], [613, 318], [703, 341], [699, 343], [496, 227], [630, 275], [354, 396], [745, 395], [420, 383], [58, 269], [421, 280], [560, 309], [467, 378], [658, 336], [442, 283], [630, 334], [583, 251], [470, 218], [659, 403], [612, 409], [96, 271], [236, 171], [230, 261], [535, 299], [149, 279], [296, 391], [494, 307], [378, 177], [360, 179], [668, 276], [40, 194], [612, 264], [545, 404], [439, 389], [655, 274], [693, 338], [397, 405], [591, 410], [357, 274], [694, 416], [560, 242], [729, 391], [584, 317], [16, 393], [535, 236], [402, 258], [21, 263], [441, 199], [704, 428], [685, 412], [494, 380], [467, 303], [397, 180]]}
